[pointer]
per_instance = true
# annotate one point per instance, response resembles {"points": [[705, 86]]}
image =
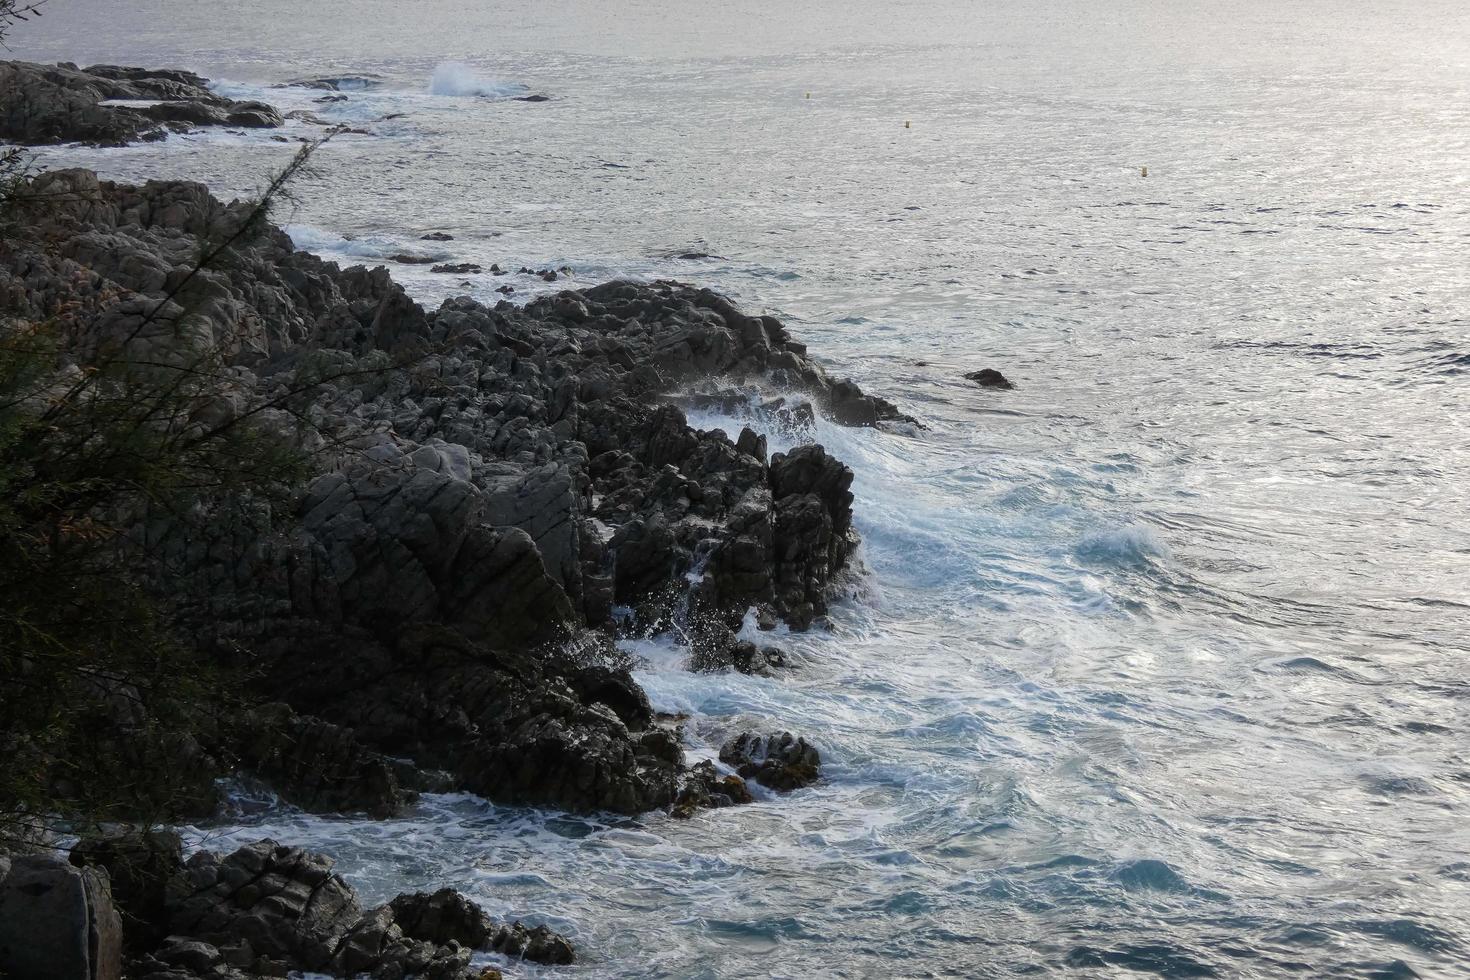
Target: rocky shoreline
{"points": [[495, 496], [109, 105]]}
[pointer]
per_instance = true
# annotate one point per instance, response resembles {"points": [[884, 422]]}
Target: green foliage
{"points": [[105, 710]]}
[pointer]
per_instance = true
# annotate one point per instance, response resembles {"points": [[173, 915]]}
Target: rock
{"points": [[406, 259], [140, 866], [781, 761], [704, 788], [442, 917], [58, 922], [492, 482], [989, 378], [42, 104], [286, 904], [537, 944], [337, 83], [437, 236], [316, 765], [457, 269], [533, 98]]}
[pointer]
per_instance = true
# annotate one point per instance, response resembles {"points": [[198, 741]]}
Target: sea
{"points": [[1157, 664]]}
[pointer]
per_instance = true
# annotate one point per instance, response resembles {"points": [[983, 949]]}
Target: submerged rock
{"points": [[989, 378]]}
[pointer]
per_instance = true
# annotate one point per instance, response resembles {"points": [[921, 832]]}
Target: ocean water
{"points": [[1157, 664]]}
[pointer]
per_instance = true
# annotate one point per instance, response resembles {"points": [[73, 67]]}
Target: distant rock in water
{"points": [[336, 83], [46, 104], [458, 268], [404, 258], [436, 236], [533, 98], [989, 378]]}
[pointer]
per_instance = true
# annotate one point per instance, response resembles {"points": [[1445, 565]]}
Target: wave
{"points": [[458, 79]]}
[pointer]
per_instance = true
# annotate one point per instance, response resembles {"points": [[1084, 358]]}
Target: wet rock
{"points": [[336, 83], [405, 258], [58, 922], [537, 944], [705, 788], [442, 917], [457, 268], [781, 761], [533, 98], [491, 483], [437, 236], [989, 378], [316, 765]]}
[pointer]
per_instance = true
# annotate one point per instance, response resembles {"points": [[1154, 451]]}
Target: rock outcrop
{"points": [[491, 483], [264, 910], [41, 104]]}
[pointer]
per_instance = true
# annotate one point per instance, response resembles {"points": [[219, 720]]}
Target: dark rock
{"points": [[58, 922], [781, 761], [537, 944], [437, 236], [140, 866], [458, 269], [989, 378], [533, 98], [41, 104], [704, 788], [445, 916], [335, 83], [516, 476], [407, 259], [316, 765]]}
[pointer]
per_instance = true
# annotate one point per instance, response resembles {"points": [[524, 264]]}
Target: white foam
{"points": [[458, 79]]}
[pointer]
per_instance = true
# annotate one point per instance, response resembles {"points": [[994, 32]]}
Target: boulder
{"points": [[989, 378], [781, 761], [58, 922]]}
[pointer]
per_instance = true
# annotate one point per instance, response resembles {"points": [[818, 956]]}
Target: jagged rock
{"points": [[457, 268], [989, 378], [316, 765], [704, 788], [537, 944], [489, 483], [781, 761], [58, 922], [437, 236], [285, 903], [42, 104], [441, 917]]}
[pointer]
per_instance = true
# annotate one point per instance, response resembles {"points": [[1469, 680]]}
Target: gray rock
{"points": [[42, 104], [57, 922]]}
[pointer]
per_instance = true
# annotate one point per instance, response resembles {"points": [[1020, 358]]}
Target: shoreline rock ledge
{"points": [[48, 104], [497, 493]]}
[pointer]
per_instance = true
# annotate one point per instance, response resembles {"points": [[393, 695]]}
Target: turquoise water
{"points": [[1157, 663]]}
